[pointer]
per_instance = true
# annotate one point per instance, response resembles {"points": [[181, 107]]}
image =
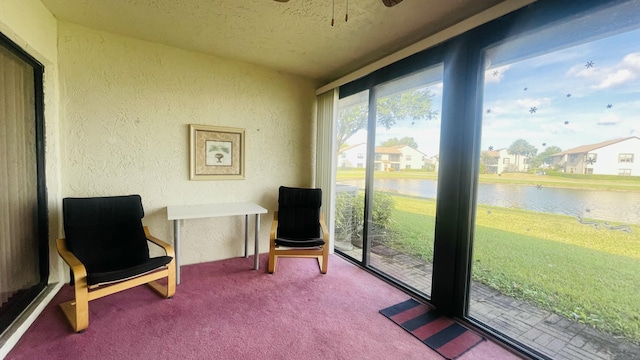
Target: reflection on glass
{"points": [[400, 224], [352, 119], [557, 228], [407, 145]]}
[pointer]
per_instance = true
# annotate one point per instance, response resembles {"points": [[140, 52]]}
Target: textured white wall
{"points": [[125, 110], [29, 24]]}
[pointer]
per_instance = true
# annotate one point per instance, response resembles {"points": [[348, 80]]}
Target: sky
{"points": [[575, 96]]}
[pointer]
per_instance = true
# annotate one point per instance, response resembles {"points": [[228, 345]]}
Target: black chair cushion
{"points": [[300, 242], [111, 276], [106, 233], [299, 217]]}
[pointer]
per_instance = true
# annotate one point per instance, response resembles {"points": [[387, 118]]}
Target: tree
{"points": [[409, 141], [412, 105], [544, 158], [350, 120], [486, 160], [519, 148]]}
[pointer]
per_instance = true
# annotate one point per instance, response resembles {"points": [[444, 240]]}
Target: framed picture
{"points": [[216, 153]]}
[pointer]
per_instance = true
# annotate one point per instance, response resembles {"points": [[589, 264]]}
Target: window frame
{"points": [[626, 158], [460, 153], [25, 298]]}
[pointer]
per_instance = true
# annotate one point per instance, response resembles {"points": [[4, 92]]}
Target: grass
{"points": [[582, 284], [585, 274], [413, 226]]}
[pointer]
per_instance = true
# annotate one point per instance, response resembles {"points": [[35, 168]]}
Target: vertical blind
{"points": [[19, 260], [325, 155]]}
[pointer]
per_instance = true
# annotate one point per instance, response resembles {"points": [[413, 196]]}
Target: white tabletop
{"points": [[178, 212]]}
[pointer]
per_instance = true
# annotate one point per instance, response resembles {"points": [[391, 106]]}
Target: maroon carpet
{"points": [[225, 310], [439, 332]]}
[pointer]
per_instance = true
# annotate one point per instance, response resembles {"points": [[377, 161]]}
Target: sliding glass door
{"points": [[387, 173], [404, 182], [24, 264], [351, 138]]}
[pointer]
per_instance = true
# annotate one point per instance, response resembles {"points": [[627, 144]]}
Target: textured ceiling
{"points": [[294, 37]]}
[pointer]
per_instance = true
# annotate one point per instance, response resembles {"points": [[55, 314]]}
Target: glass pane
{"points": [[401, 229], [19, 260], [556, 262], [351, 137]]}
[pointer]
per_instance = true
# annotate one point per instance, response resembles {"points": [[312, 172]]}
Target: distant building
{"points": [[434, 161], [393, 158], [353, 156], [402, 157], [387, 158], [612, 157], [500, 161]]}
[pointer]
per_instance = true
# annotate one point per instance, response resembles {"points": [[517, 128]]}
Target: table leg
{"points": [[256, 252], [246, 236], [176, 247]]}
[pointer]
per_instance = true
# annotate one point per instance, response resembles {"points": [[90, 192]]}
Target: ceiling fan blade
{"points": [[286, 0], [390, 3]]}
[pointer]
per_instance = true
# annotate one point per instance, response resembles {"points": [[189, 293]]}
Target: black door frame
{"points": [[21, 301]]}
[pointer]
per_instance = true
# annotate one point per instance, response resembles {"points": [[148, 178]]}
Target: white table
{"points": [[183, 212]]}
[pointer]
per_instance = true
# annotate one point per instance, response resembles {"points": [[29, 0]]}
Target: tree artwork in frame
{"points": [[216, 153]]}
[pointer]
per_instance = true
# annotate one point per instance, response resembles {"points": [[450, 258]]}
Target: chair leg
{"points": [[169, 290], [77, 310], [272, 260], [171, 280], [325, 259], [82, 305]]}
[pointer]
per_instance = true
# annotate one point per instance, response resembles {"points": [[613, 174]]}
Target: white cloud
{"points": [[561, 128], [616, 78], [550, 128], [609, 120], [496, 110], [529, 103], [495, 75], [583, 72], [627, 70], [632, 60], [437, 88], [497, 124]]}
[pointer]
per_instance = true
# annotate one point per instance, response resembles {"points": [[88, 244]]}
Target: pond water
{"points": [[615, 206]]}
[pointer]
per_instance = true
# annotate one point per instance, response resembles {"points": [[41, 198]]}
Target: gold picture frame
{"points": [[216, 153]]}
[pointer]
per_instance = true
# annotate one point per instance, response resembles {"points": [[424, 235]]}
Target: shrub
{"points": [[382, 208], [350, 213]]}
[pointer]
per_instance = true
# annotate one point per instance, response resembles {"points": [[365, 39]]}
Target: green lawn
{"points": [[575, 270], [585, 274]]}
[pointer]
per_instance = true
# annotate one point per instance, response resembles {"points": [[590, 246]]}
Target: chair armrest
{"points": [[325, 231], [274, 226], [166, 246], [78, 269]]}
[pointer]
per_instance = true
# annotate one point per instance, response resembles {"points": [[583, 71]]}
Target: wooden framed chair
{"points": [[298, 228], [106, 248]]}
